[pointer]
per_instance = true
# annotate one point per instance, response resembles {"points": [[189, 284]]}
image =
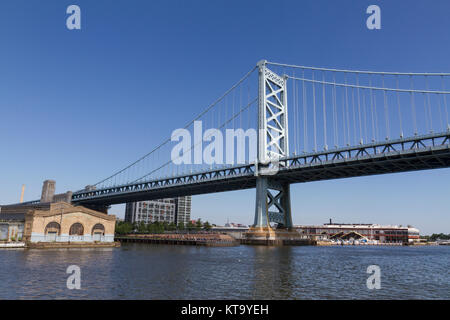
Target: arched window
{"points": [[53, 228], [76, 229], [98, 229]]}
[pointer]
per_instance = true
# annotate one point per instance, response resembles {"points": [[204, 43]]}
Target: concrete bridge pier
{"points": [[273, 206]]}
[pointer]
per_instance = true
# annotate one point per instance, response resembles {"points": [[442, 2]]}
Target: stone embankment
{"points": [[198, 239]]}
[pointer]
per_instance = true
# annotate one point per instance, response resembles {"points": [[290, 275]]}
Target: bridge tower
{"points": [[273, 203]]}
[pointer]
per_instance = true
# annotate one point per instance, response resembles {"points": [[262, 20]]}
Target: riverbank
{"points": [[56, 245], [8, 245], [53, 245], [334, 244], [200, 239]]}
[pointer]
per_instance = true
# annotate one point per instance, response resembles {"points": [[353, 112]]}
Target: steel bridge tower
{"points": [[273, 202]]}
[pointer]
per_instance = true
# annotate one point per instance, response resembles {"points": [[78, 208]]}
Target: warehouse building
{"points": [[54, 220]]}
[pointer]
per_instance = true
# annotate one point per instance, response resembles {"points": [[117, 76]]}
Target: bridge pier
{"points": [[273, 203]]}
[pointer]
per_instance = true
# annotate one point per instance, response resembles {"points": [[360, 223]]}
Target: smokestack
{"points": [[48, 191], [331, 221], [21, 195]]}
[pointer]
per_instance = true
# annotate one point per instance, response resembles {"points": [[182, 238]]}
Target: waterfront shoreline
{"points": [[207, 239]]}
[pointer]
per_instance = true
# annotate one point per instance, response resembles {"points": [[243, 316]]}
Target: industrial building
{"points": [[365, 232], [171, 210], [54, 221]]}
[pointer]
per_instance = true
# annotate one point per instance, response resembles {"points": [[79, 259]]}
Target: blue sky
{"points": [[77, 105]]}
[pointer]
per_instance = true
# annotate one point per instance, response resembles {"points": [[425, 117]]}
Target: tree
{"points": [[142, 227], [123, 227], [199, 224], [181, 226], [190, 225], [439, 236], [172, 226], [206, 226]]}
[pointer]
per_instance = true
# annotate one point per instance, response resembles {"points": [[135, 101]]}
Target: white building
{"points": [[171, 210], [373, 232]]}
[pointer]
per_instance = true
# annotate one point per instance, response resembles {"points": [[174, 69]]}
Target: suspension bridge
{"points": [[341, 124]]}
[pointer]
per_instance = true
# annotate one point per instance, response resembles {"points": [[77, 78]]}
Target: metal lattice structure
{"points": [[272, 196], [272, 116]]}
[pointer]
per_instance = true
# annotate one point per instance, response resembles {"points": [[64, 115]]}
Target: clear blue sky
{"points": [[77, 105]]}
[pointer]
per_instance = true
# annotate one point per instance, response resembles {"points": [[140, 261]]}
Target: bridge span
{"points": [[402, 155]]}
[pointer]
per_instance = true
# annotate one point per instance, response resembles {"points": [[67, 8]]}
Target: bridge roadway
{"points": [[430, 151]]}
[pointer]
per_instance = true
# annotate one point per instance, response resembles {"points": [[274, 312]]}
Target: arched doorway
{"points": [[4, 231], [52, 231], [98, 232], [76, 232]]}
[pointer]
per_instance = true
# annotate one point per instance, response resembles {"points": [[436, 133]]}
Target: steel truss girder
{"points": [[409, 156]]}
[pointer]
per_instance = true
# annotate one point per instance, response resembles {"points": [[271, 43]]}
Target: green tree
{"points": [[440, 236], [199, 224], [123, 227], [190, 225], [181, 226], [142, 227], [206, 226], [172, 226]]}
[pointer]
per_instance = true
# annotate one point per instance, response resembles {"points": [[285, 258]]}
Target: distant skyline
{"points": [[76, 105]]}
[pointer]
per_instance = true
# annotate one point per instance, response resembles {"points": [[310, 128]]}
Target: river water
{"points": [[143, 271]]}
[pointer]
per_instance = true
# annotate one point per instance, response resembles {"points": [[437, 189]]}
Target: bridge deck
{"points": [[415, 153]]}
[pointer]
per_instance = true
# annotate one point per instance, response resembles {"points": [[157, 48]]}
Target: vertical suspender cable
{"points": [[429, 106], [305, 114], [355, 139], [377, 132], [399, 110], [314, 112], [241, 115], [359, 110], [441, 121], [366, 135], [386, 112], [445, 103], [335, 129], [226, 114], [232, 113], [297, 120], [248, 116], [324, 112], [295, 111], [343, 117], [413, 106], [347, 111], [425, 111], [371, 108]]}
